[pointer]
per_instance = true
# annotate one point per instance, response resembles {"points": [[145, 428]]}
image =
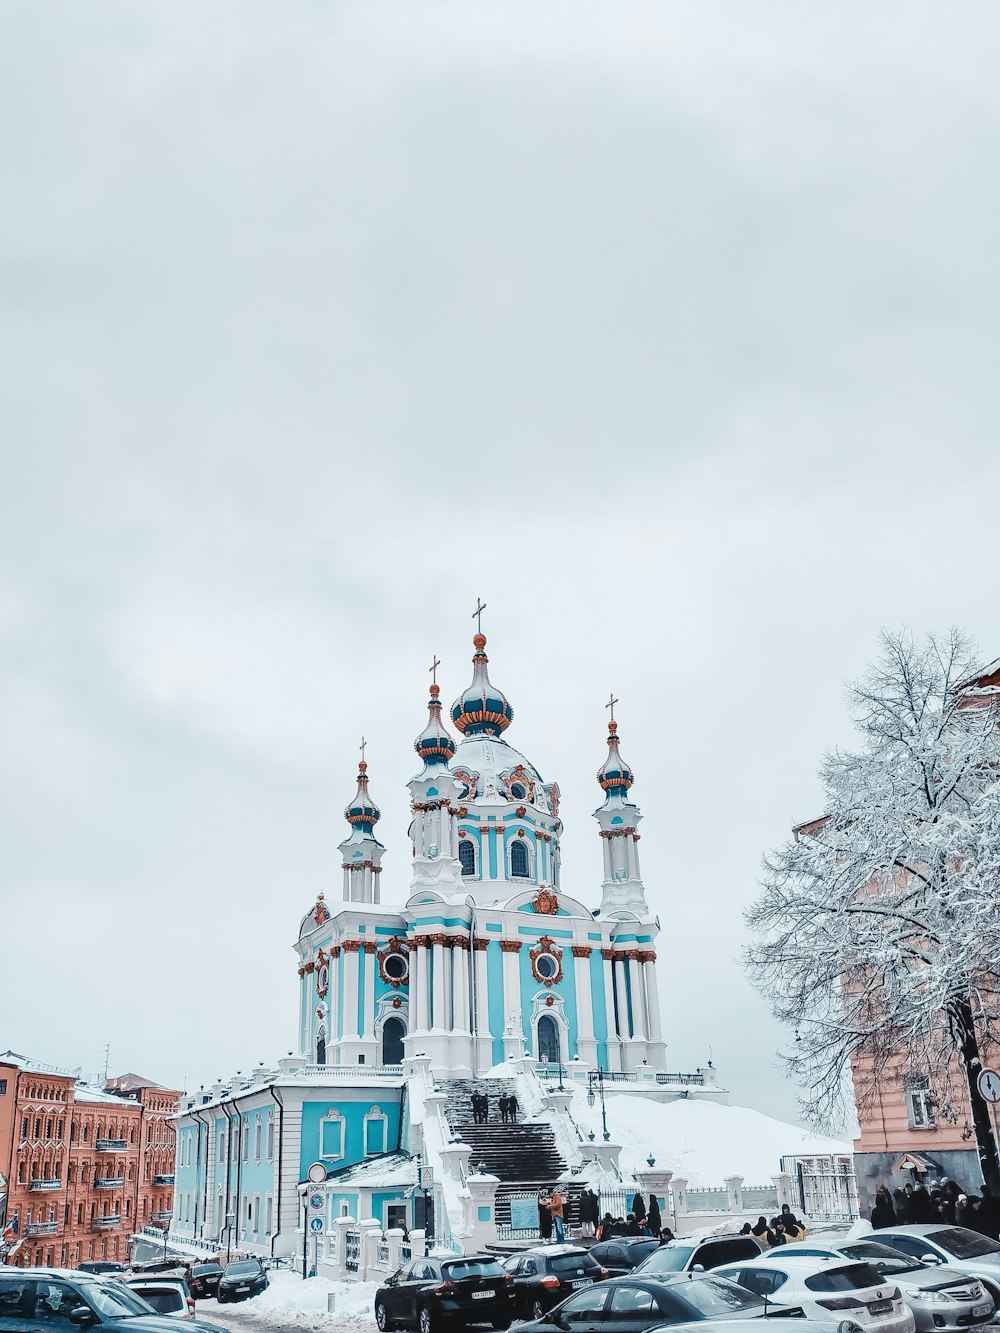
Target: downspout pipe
{"points": [[281, 1140]]}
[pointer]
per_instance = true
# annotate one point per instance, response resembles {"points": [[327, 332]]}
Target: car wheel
{"points": [[537, 1309], [382, 1317], [427, 1321]]}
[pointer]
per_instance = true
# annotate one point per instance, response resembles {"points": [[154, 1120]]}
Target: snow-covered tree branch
{"points": [[876, 937]]}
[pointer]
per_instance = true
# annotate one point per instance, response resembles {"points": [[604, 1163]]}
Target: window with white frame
{"points": [[919, 1104], [331, 1135], [376, 1132], [270, 1140], [257, 1132]]}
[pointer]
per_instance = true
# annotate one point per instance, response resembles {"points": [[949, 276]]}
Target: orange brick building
{"points": [[85, 1167]]}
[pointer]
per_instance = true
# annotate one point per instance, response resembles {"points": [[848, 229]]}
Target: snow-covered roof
{"points": [[132, 1083], [394, 1169], [84, 1093]]}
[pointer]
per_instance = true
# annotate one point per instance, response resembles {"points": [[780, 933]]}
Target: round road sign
{"points": [[316, 1201], [316, 1173], [315, 1224], [989, 1085]]}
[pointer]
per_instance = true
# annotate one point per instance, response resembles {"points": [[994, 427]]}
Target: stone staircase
{"points": [[523, 1156]]}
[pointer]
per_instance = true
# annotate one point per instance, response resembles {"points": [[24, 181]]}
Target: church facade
{"points": [[485, 944]]}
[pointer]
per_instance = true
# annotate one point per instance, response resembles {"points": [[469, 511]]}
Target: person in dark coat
{"points": [[512, 1108], [761, 1232], [989, 1214], [653, 1217], [638, 1208], [474, 1099], [883, 1213], [965, 1213], [632, 1225], [920, 1205], [901, 1204], [544, 1216], [606, 1229]]}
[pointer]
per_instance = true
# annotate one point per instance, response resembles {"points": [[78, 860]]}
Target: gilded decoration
{"points": [[546, 948], [396, 949], [320, 914], [545, 903], [582, 950], [322, 974], [369, 946], [511, 946], [608, 955], [470, 781], [351, 946]]}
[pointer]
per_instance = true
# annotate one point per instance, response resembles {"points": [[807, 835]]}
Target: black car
{"points": [[43, 1300], [242, 1279], [204, 1280], [634, 1304], [427, 1293], [684, 1256], [546, 1276], [623, 1253]]}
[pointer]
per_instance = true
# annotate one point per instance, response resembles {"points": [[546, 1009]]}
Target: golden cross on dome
{"points": [[434, 669], [611, 704], [361, 747], [477, 615]]}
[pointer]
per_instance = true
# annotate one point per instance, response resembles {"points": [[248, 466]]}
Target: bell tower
{"points": [[622, 893], [361, 850]]}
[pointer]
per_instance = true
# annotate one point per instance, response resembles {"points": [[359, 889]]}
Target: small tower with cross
{"points": [[361, 850], [622, 893], [432, 832]]}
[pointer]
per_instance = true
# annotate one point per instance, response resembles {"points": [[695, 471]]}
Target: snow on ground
{"points": [[292, 1302], [700, 1141]]}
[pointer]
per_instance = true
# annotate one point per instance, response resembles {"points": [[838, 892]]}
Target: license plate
{"points": [[482, 1295], [985, 1308], [880, 1307], [583, 1282], [239, 1289]]}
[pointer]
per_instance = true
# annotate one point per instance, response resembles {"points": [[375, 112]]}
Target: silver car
{"points": [[943, 1300], [955, 1247]]}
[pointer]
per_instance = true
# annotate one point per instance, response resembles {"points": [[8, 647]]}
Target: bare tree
{"points": [[877, 933]]}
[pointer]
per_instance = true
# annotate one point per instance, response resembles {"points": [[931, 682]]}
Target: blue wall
{"points": [[354, 1113]]}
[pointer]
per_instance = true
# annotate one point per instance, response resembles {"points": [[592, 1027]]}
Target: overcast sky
{"points": [[668, 329]]}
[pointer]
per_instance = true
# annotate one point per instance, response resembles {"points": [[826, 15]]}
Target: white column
{"points": [[652, 998], [418, 986], [482, 993], [511, 982], [371, 967], [351, 990], [636, 991], [449, 987], [614, 1050], [424, 977], [333, 998], [586, 1046], [460, 987], [438, 1010]]}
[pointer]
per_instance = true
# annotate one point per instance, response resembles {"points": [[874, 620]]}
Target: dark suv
{"points": [[204, 1280], [684, 1256], [469, 1289], [54, 1300], [242, 1279], [546, 1276]]}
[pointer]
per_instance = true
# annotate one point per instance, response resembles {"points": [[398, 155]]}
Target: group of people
{"points": [[481, 1109], [638, 1222], [552, 1214], [943, 1201], [779, 1231]]}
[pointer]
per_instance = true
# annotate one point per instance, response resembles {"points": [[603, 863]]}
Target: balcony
{"points": [[110, 1145], [163, 1180], [161, 1218], [45, 1185], [42, 1228], [106, 1222], [108, 1182]]}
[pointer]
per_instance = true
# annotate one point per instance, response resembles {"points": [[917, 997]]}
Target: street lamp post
{"points": [[596, 1077]]}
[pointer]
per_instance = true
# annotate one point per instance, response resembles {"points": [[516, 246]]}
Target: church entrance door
{"points": [[548, 1040], [392, 1041]]}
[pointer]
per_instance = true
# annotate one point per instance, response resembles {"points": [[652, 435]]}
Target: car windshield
{"points": [[113, 1300], [165, 1300], [638, 1250], [200, 1270], [715, 1296], [881, 1257], [464, 1268], [852, 1277], [572, 1263], [668, 1259], [964, 1244], [245, 1268]]}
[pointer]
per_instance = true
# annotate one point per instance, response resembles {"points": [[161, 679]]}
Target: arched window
{"points": [[467, 856], [519, 860], [548, 1040], [518, 791], [392, 1042], [321, 1050]]}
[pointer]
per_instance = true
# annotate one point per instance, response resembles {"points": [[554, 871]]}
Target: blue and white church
{"points": [[487, 941], [486, 965]]}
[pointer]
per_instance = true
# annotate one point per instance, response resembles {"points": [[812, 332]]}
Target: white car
{"points": [[167, 1295], [832, 1289]]}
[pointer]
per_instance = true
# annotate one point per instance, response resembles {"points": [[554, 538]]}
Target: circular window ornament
{"points": [[546, 961], [546, 966], [396, 967], [394, 964]]}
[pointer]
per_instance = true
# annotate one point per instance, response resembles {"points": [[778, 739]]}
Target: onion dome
{"points": [[615, 776], [482, 710], [363, 813], [434, 745]]}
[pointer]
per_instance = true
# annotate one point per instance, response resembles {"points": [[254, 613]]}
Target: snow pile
{"points": [[304, 1303], [700, 1141]]}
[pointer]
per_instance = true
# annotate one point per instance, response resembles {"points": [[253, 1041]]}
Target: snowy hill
{"points": [[700, 1140]]}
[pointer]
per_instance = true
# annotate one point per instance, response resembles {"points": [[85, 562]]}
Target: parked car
{"points": [[956, 1247], [826, 1288], [204, 1280], [100, 1266], [40, 1300], [624, 1253], [471, 1289], [943, 1299], [633, 1304], [544, 1277], [683, 1256], [242, 1279], [167, 1294]]}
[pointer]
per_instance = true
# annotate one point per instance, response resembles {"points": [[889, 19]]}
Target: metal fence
{"points": [[352, 1253]]}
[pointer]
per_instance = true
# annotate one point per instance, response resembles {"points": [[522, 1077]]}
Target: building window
{"points": [[257, 1130], [519, 860], [331, 1135], [3, 1086], [467, 856], [270, 1215], [376, 1132], [270, 1144], [919, 1104], [24, 1127]]}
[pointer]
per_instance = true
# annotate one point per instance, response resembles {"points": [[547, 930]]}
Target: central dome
{"points": [[482, 710]]}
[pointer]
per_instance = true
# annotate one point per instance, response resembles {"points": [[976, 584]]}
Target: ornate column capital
{"points": [[582, 950], [369, 946], [480, 945], [511, 946], [608, 955], [350, 946]]}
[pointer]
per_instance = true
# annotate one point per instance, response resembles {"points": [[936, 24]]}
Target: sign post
{"points": [[988, 1084]]}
